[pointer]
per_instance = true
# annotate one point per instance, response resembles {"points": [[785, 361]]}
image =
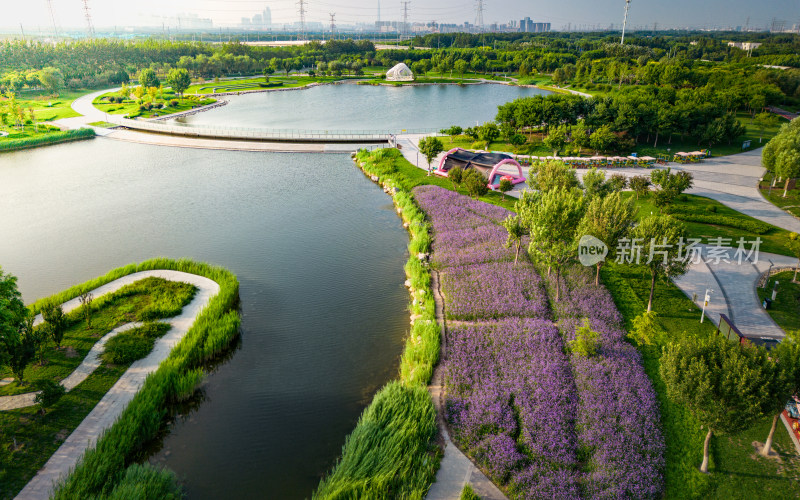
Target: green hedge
{"points": [[46, 139], [392, 451], [692, 215], [103, 468]]}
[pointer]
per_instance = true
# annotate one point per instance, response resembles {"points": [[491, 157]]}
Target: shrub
{"points": [[49, 393], [136, 343], [585, 342], [173, 102], [468, 493], [475, 183]]}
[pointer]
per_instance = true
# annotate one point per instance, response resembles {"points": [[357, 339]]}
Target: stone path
{"points": [[734, 291], [106, 412], [89, 364], [455, 469]]}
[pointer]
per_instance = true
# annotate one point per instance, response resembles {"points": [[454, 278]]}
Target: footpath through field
{"points": [[108, 409]]}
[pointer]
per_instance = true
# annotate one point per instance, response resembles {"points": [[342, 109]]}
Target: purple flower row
{"points": [[511, 404], [493, 290], [466, 231], [618, 414]]}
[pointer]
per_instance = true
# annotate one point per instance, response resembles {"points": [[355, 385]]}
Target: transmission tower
{"points": [[302, 4], [479, 15], [625, 21], [379, 12], [333, 23], [88, 15], [52, 17], [405, 19]]}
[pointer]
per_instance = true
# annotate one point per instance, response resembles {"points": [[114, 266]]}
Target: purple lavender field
{"points": [[540, 421]]}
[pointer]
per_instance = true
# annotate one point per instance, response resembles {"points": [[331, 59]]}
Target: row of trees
{"points": [[634, 115], [781, 155]]}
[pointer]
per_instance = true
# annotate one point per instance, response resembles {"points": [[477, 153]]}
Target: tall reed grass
{"points": [[46, 139], [391, 453], [102, 470]]}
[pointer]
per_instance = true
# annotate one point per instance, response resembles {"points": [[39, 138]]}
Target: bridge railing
{"points": [[266, 134]]}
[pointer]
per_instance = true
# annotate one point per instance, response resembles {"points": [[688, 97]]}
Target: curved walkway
{"points": [[108, 409], [89, 364]]}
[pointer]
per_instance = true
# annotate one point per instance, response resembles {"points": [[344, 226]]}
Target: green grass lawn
{"points": [[791, 203], [121, 307], [28, 131], [130, 108], [785, 308], [104, 124], [47, 107], [259, 83], [774, 241]]}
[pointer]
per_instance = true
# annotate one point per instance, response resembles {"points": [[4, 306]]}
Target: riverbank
{"points": [[99, 449], [47, 139]]}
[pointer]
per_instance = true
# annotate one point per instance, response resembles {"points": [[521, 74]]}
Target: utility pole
{"points": [[302, 10], [88, 15], [405, 19], [53, 17], [625, 21], [23, 31], [479, 15], [333, 23]]}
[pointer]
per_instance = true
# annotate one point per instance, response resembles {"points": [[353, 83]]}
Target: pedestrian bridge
{"points": [[264, 134]]}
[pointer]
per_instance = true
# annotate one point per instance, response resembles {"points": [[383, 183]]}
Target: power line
{"points": [[52, 17], [625, 21], [88, 15], [302, 4], [479, 15], [405, 18]]}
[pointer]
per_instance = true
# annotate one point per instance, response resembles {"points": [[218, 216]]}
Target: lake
{"points": [[364, 107]]}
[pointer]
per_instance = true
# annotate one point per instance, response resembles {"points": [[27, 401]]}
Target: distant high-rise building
{"points": [[267, 18], [528, 26]]}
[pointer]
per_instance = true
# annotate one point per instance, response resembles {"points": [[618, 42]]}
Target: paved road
{"points": [[106, 412]]}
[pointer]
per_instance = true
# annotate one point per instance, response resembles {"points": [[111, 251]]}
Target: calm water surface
{"points": [[364, 107], [319, 253]]}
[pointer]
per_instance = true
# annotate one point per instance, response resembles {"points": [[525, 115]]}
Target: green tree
{"points": [[516, 230], [780, 155], [602, 139], [51, 79], [50, 392], [505, 186], [670, 185], [617, 182], [718, 381], [556, 139], [179, 80], [794, 247], [661, 245], [488, 132], [148, 78], [86, 299], [456, 176], [430, 147], [475, 183], [580, 135], [552, 219], [608, 219], [56, 323], [12, 311], [640, 185], [20, 347], [764, 121], [783, 382], [594, 182], [551, 175], [461, 66]]}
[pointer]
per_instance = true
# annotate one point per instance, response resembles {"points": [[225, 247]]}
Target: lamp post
{"points": [[769, 271], [705, 303]]}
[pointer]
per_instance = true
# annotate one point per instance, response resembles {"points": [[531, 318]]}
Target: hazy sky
{"points": [[667, 13]]}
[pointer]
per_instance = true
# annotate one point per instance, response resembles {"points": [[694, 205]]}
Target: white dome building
{"points": [[400, 73]]}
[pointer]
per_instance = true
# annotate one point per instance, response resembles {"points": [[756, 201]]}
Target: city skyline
{"points": [[568, 14]]}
